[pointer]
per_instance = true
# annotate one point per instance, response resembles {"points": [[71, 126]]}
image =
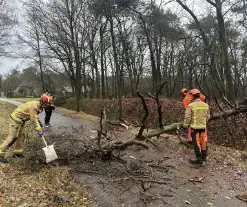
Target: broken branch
{"points": [[144, 120]]}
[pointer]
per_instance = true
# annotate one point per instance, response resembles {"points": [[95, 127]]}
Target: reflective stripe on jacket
{"points": [[28, 111], [196, 115]]}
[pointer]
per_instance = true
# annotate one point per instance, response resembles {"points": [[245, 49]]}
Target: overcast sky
{"points": [[198, 6], [6, 64]]}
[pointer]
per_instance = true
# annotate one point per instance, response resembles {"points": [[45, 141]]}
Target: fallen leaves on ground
{"points": [[48, 187]]}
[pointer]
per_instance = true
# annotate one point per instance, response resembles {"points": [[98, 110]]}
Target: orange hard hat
{"points": [[46, 99], [194, 92], [184, 90]]}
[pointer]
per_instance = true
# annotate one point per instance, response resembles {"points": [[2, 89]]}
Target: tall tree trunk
{"points": [[157, 44], [102, 48], [151, 51], [97, 82], [224, 46], [106, 77], [93, 82], [40, 58], [119, 87], [214, 73], [84, 75], [74, 41], [191, 75]]}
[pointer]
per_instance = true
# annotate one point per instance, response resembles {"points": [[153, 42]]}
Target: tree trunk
{"points": [[74, 41], [102, 48], [119, 87], [40, 59], [84, 75], [106, 77], [224, 46], [151, 51], [93, 82]]}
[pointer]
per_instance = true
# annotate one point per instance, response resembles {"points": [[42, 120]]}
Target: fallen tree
{"points": [[175, 126], [143, 138]]}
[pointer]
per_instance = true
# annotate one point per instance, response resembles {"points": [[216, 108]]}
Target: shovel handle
{"points": [[44, 140]]}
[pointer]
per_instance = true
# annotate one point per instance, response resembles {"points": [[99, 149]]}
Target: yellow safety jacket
{"points": [[196, 115], [28, 111]]}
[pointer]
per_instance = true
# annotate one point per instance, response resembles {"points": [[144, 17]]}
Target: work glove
{"points": [[185, 130], [40, 134]]}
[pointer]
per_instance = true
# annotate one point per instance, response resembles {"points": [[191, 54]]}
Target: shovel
{"points": [[49, 151]]}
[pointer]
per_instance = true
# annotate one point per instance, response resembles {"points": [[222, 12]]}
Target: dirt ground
{"points": [[143, 177], [161, 178], [43, 186]]}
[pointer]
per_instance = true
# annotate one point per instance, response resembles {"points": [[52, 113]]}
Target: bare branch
{"points": [[205, 39], [213, 4]]}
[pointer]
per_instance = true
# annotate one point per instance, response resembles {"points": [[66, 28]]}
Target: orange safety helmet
{"points": [[194, 92], [46, 100], [184, 90]]}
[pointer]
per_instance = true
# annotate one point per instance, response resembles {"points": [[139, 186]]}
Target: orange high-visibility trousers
{"points": [[199, 140], [189, 137]]}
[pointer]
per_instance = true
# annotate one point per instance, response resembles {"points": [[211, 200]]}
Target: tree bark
{"points": [[224, 46], [102, 48], [40, 58], [118, 78]]}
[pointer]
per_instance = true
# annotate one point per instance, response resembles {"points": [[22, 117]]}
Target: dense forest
{"points": [[113, 48]]}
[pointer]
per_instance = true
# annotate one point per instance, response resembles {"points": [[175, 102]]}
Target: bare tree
{"points": [[7, 22]]}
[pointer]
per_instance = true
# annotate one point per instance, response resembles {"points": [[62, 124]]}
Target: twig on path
{"points": [[145, 188], [127, 188], [143, 180], [153, 197], [159, 167], [148, 140]]}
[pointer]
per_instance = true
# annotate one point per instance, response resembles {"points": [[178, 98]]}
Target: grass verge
{"points": [[75, 115], [47, 186], [24, 100]]}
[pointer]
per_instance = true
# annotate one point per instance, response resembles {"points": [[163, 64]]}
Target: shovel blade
{"points": [[50, 153]]}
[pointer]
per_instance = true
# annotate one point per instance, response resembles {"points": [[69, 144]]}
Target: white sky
{"points": [[200, 7], [6, 64]]}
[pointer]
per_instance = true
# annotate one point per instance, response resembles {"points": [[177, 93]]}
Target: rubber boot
{"points": [[189, 142], [2, 160], [18, 153], [196, 161], [204, 155]]}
